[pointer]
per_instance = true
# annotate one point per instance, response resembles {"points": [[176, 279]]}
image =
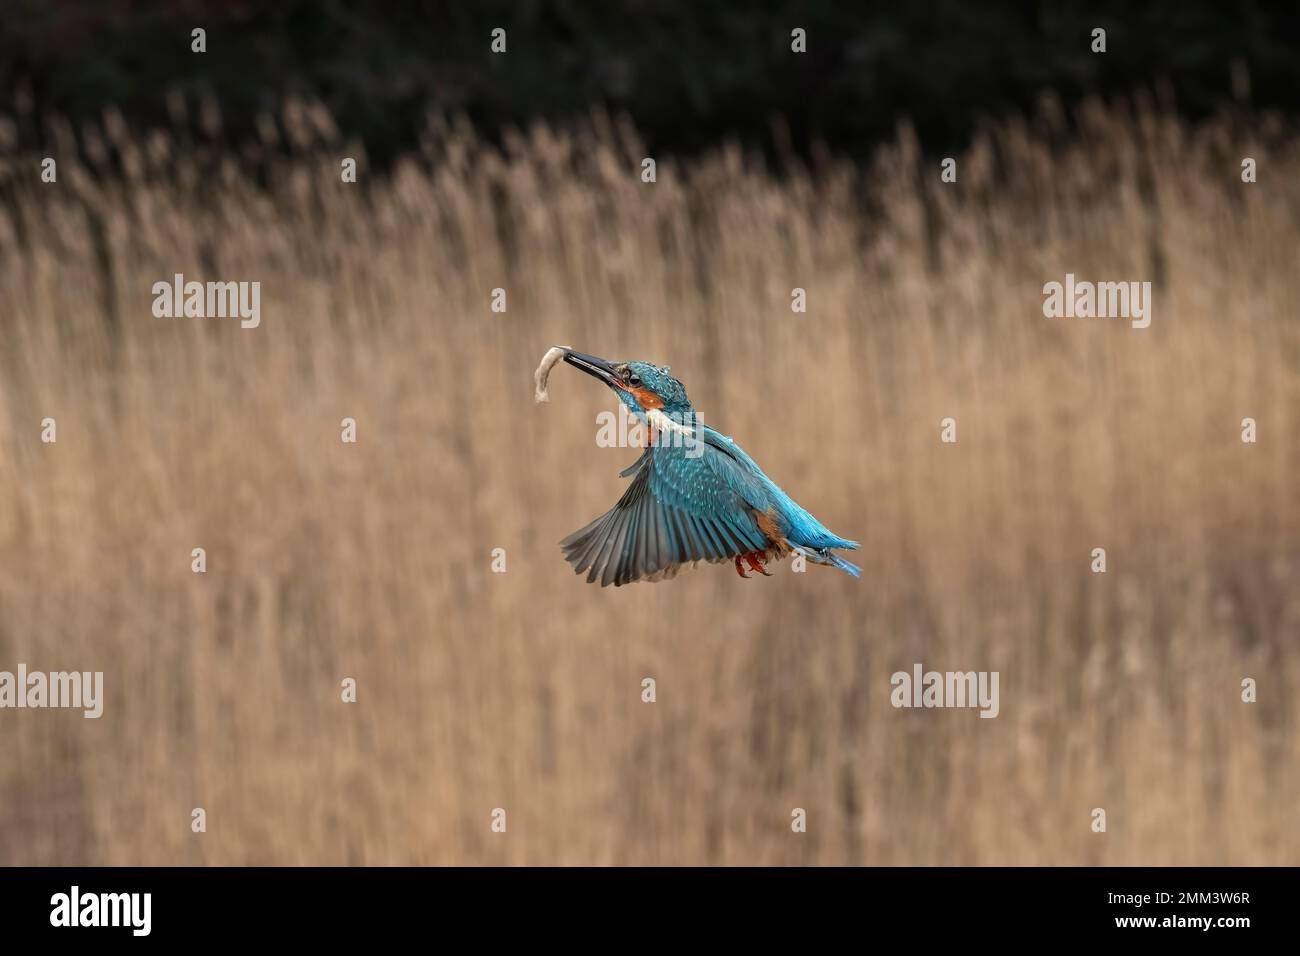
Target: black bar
{"points": [[332, 906]]}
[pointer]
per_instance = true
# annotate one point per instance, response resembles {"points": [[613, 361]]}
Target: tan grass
{"points": [[521, 690]]}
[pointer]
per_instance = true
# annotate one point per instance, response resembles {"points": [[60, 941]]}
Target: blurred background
{"points": [[522, 690]]}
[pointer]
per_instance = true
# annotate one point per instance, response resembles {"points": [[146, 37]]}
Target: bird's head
{"points": [[641, 386]]}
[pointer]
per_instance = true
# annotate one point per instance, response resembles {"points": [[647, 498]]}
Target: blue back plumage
{"points": [[797, 524]]}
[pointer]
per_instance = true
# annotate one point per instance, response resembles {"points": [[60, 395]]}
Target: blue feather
{"points": [[697, 500]]}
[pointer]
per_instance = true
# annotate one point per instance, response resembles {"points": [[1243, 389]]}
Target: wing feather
{"points": [[675, 511]]}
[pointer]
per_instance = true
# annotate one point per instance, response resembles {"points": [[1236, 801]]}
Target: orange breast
{"points": [[647, 398], [766, 521]]}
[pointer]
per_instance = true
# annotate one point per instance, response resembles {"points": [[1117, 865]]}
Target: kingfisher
{"points": [[695, 494]]}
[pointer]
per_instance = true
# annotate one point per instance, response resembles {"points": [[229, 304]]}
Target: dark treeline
{"points": [[688, 72]]}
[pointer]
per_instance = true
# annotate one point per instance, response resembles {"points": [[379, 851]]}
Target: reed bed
{"points": [[522, 690]]}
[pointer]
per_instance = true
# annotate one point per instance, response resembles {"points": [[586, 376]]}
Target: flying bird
{"points": [[695, 494]]}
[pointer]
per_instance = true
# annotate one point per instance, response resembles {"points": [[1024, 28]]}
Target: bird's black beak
{"points": [[597, 368]]}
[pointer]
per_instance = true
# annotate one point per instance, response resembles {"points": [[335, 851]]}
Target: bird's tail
{"points": [[831, 559], [834, 560]]}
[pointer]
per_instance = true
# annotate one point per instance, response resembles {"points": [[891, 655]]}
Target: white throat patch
{"points": [[659, 420]]}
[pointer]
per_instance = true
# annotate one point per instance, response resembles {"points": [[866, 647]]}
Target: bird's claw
{"points": [[755, 561]]}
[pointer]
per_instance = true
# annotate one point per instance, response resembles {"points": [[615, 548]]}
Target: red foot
{"points": [[755, 561]]}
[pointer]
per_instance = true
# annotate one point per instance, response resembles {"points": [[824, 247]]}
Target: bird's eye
{"points": [[634, 379]]}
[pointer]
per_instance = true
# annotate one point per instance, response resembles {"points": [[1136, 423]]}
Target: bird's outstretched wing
{"points": [[676, 511]]}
